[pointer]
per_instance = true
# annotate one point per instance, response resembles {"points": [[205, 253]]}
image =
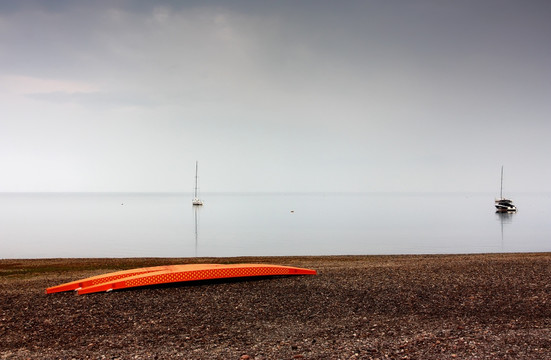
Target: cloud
{"points": [[311, 87], [18, 84], [95, 99]]}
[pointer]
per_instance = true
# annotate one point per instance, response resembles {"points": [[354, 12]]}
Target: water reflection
{"points": [[162, 225], [504, 218], [196, 216]]}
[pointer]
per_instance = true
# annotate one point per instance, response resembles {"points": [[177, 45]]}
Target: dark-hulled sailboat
{"points": [[504, 205]]}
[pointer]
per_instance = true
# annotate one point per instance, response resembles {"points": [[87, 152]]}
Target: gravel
{"points": [[489, 306]]}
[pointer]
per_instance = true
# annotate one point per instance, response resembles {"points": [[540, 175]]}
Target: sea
{"points": [[120, 225]]}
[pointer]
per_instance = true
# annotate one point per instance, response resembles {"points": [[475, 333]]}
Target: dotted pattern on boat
{"points": [[175, 273]]}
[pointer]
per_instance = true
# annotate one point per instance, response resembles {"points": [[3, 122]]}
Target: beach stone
{"points": [[416, 307]]}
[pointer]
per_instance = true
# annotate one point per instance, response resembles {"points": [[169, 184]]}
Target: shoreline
{"points": [[364, 307]]}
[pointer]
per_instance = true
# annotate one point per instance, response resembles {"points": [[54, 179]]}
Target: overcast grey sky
{"points": [[419, 95]]}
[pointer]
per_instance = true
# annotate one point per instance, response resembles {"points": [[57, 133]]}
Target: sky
{"points": [[275, 96]]}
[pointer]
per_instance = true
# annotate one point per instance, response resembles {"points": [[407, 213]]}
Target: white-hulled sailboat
{"points": [[504, 205], [196, 200]]}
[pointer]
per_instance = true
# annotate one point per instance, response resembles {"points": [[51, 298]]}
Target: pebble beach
{"points": [[484, 306]]}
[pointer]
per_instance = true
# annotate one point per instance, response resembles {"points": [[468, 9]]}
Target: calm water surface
{"points": [[167, 225]]}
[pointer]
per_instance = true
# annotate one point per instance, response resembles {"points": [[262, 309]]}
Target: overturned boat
{"points": [[173, 274]]}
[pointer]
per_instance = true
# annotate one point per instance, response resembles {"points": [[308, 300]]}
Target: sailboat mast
{"points": [[501, 188], [196, 200], [196, 167]]}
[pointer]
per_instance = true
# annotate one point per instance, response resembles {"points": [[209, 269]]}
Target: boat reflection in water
{"points": [[196, 216], [504, 217]]}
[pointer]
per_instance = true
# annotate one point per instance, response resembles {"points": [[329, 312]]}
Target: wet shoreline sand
{"points": [[487, 306]]}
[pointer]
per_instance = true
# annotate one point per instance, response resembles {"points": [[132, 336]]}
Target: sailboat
{"points": [[196, 201], [504, 205]]}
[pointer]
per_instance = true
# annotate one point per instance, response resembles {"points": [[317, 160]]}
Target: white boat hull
{"points": [[506, 210]]}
